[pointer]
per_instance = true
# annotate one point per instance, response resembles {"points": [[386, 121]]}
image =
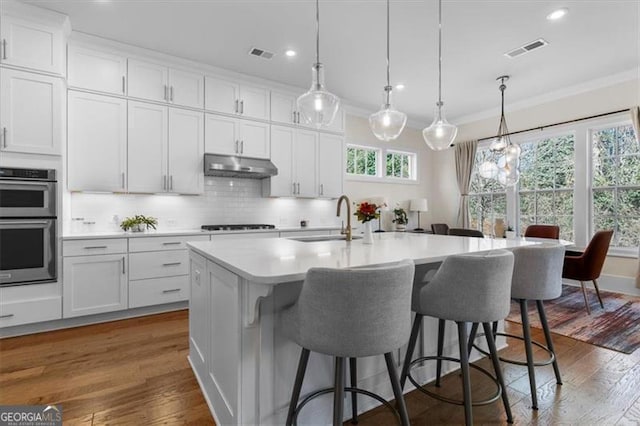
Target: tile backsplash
{"points": [[225, 200]]}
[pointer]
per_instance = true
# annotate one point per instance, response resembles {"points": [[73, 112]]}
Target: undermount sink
{"points": [[324, 238]]}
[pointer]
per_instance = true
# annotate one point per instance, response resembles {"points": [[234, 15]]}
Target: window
{"points": [[400, 165], [615, 175], [487, 198], [547, 177], [362, 161]]}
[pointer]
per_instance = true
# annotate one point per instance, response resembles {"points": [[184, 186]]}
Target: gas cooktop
{"points": [[236, 227]]}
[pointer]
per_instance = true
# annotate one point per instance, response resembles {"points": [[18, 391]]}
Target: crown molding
{"points": [[599, 83]]}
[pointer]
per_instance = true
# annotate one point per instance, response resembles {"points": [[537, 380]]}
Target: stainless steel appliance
{"points": [[236, 227], [240, 167], [28, 226]]}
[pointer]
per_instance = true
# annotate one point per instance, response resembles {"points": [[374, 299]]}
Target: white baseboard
{"points": [[617, 284]]}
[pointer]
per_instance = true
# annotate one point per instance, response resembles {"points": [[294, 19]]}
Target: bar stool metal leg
{"points": [[491, 343], [353, 372], [464, 364], [440, 350], [547, 336], [295, 395], [397, 390], [338, 395], [472, 336], [415, 329], [526, 331]]}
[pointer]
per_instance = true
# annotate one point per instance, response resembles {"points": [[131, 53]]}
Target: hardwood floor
{"points": [[135, 372]]}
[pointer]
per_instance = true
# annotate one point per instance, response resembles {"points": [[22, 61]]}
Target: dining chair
{"points": [[440, 228], [543, 231], [462, 232], [587, 265]]}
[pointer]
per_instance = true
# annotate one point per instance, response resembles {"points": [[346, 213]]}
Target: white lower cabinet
{"points": [[158, 291], [198, 318], [27, 304], [94, 284]]}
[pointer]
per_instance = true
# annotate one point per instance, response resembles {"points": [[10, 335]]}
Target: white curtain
{"points": [[465, 159]]}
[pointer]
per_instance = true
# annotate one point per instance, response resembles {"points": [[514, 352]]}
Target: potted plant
{"points": [[138, 223], [400, 218], [366, 212]]}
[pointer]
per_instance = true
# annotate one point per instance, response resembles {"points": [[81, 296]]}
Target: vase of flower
{"points": [[366, 212]]}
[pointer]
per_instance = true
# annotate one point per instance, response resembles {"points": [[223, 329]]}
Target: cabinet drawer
{"points": [[158, 264], [91, 247], [163, 243], [157, 291], [25, 312]]}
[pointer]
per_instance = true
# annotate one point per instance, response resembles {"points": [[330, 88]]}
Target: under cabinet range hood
{"points": [[240, 167]]}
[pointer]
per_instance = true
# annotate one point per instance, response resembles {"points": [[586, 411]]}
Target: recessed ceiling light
{"points": [[290, 53], [557, 14], [400, 86]]}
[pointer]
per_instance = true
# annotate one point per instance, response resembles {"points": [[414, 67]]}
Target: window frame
{"points": [[381, 156], [482, 147], [378, 153], [413, 159]]}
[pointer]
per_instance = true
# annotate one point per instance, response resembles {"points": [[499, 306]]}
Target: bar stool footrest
{"points": [[346, 389], [421, 388], [549, 361]]}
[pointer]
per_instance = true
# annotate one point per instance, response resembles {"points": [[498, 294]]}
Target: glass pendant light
{"points": [[440, 134], [502, 140], [388, 123], [488, 170], [318, 106]]}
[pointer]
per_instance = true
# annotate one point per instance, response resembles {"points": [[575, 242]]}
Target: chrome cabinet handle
{"points": [[294, 188], [6, 316], [123, 272], [171, 243], [241, 107], [4, 137], [171, 94], [5, 275], [298, 188], [166, 91], [123, 185], [236, 146], [123, 85], [95, 247], [293, 113], [172, 264], [164, 182], [173, 290], [171, 183], [322, 189], [235, 108], [241, 147], [4, 48]]}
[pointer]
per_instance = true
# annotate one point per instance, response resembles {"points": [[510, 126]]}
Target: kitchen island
{"points": [[244, 364]]}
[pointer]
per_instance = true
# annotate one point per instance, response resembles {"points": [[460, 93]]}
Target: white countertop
{"points": [[277, 260], [178, 232]]}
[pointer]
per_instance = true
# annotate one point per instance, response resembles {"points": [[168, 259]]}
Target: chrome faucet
{"points": [[346, 231]]}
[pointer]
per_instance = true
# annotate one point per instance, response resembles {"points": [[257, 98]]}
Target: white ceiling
{"points": [[595, 40]]}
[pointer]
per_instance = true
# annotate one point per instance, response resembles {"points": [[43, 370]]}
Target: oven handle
{"points": [[25, 182], [23, 222]]}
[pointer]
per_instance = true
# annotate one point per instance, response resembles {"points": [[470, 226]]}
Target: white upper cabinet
{"points": [[330, 165], [156, 82], [305, 163], [229, 97], [97, 142], [282, 143], [32, 45], [186, 88], [31, 108], [233, 136], [147, 147], [93, 69], [148, 80], [283, 108], [186, 151]]}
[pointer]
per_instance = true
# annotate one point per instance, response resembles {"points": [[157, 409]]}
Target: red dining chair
{"points": [[543, 231], [587, 265]]}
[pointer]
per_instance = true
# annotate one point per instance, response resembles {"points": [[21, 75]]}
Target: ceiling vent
{"points": [[519, 51], [260, 53]]}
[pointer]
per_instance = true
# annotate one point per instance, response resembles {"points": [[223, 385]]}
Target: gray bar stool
{"points": [[351, 313], [467, 289], [537, 275]]}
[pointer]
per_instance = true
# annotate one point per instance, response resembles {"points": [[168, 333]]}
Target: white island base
{"points": [[244, 364]]}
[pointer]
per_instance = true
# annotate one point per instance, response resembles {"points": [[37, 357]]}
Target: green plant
{"points": [[400, 216], [138, 220]]}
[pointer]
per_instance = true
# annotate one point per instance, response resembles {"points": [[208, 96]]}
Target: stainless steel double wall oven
{"points": [[28, 226]]}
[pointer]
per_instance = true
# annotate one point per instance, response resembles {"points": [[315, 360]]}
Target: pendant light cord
{"points": [[387, 89], [317, 31], [439, 53]]}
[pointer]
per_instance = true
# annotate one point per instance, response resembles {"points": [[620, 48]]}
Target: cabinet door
{"points": [[221, 95], [31, 108], [304, 163], [186, 151], [283, 108], [97, 143], [148, 81], [95, 70], [94, 284], [147, 147], [254, 139], [282, 142], [198, 311], [330, 165], [32, 45], [221, 135], [186, 88], [254, 102]]}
